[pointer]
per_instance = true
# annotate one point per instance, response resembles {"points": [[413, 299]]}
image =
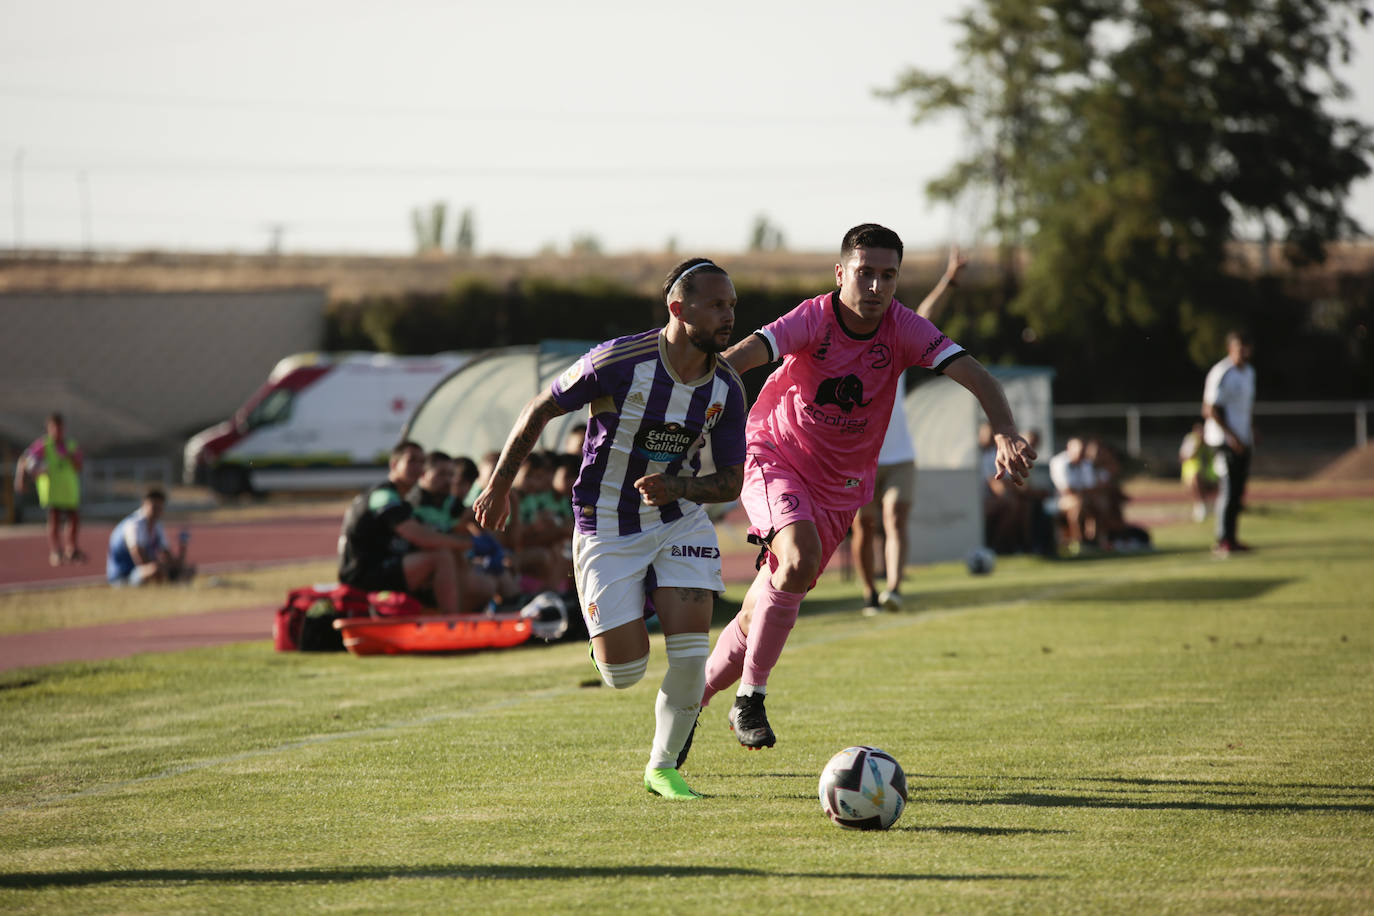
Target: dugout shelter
{"points": [[947, 516], [471, 412]]}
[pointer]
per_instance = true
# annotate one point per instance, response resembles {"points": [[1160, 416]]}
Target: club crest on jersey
{"points": [[570, 375], [880, 355], [845, 392], [712, 413], [691, 550], [666, 442]]}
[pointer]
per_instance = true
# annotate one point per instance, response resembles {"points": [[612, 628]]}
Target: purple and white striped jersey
{"points": [[645, 420]]}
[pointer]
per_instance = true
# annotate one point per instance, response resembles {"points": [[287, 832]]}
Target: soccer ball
{"points": [[980, 561], [863, 788]]}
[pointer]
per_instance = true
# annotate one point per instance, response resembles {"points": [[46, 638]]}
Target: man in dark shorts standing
{"points": [[383, 547]]}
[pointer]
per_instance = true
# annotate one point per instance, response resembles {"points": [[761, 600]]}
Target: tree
{"points": [[1128, 143], [585, 244], [765, 236], [466, 242], [429, 227]]}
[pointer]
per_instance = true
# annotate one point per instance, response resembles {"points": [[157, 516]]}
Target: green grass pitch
{"points": [[1146, 734]]}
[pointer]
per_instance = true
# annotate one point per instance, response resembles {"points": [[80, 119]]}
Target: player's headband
{"points": [[683, 275]]}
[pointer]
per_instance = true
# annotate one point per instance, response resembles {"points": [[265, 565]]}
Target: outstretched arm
{"points": [[1014, 454], [492, 507], [929, 308], [749, 353], [720, 487]]}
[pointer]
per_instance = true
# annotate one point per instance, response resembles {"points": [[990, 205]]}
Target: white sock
{"points": [[624, 674], [748, 690], [679, 699]]}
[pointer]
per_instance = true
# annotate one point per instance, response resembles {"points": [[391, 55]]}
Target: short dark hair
{"points": [[55, 417], [1240, 336], [870, 235], [699, 267], [154, 493], [405, 445], [537, 461], [465, 468], [435, 458]]}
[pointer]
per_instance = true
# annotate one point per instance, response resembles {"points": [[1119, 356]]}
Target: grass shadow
{"points": [[983, 831], [1055, 800], [1148, 794], [1183, 589], [344, 875]]}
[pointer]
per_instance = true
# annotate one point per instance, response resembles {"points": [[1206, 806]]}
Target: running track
{"points": [[214, 545], [225, 545]]}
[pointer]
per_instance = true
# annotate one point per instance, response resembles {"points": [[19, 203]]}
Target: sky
{"points": [[320, 125]]}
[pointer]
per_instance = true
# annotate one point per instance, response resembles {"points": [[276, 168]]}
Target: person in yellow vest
{"points": [[54, 463]]}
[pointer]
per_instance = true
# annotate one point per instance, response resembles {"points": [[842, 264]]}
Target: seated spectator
{"points": [[574, 441], [465, 473], [434, 505], [565, 470], [1006, 522], [1075, 482], [544, 534], [1036, 495], [486, 466], [138, 550], [383, 547], [1198, 470], [1114, 531], [432, 496]]}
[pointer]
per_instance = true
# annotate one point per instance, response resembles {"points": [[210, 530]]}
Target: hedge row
{"points": [[1303, 349]]}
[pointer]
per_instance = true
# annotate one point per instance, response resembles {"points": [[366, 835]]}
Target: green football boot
{"points": [[669, 783]]}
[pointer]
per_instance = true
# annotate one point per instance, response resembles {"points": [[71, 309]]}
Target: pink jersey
{"points": [[824, 411]]}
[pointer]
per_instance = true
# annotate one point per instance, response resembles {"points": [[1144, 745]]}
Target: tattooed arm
{"points": [[492, 507], [720, 487]]}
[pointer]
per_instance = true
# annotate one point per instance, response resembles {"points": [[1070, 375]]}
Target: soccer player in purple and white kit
{"points": [[655, 400], [814, 435]]}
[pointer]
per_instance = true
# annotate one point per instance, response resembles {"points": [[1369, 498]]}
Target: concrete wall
{"points": [[141, 370]]}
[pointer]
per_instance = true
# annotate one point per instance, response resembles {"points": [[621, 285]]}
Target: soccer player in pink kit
{"points": [[813, 440]]}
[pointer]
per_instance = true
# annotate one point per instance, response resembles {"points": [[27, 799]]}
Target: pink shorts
{"points": [[775, 496]]}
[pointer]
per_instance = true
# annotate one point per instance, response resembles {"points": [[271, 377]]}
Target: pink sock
{"points": [[774, 615], [727, 658], [726, 662]]}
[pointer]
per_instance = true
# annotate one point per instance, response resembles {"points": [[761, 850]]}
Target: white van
{"points": [[321, 421]]}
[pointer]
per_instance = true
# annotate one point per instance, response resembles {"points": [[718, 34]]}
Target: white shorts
{"points": [[615, 573]]}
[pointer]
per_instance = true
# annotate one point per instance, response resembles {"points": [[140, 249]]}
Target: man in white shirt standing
{"points": [[1228, 402]]}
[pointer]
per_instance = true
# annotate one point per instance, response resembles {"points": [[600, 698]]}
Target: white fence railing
{"points": [[1132, 414], [106, 477]]}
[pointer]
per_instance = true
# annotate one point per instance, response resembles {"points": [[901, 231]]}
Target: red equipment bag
{"points": [[306, 621], [394, 604]]}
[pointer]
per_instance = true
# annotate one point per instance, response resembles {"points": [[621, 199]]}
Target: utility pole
{"points": [[275, 233], [18, 199], [83, 187]]}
